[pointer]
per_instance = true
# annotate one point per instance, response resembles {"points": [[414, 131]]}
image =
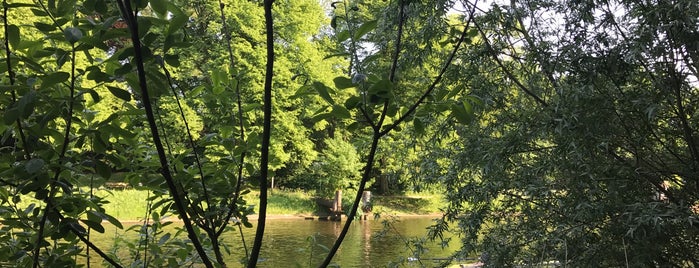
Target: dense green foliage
{"points": [[560, 131], [585, 148]]}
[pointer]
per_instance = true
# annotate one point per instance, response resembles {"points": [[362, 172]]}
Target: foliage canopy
{"points": [[561, 131]]}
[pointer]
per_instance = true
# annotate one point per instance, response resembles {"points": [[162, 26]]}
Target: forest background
{"points": [[557, 130]]}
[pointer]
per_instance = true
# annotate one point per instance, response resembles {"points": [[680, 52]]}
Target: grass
{"points": [[414, 204], [130, 204], [125, 205]]}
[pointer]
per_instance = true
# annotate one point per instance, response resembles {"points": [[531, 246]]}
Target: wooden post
{"points": [[366, 203], [337, 206]]}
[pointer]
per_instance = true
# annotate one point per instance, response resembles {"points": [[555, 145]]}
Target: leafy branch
{"points": [[130, 16]]}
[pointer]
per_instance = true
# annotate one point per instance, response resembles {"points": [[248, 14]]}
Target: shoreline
{"points": [[288, 217]]}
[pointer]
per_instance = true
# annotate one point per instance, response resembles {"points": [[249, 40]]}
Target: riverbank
{"points": [[130, 205]]}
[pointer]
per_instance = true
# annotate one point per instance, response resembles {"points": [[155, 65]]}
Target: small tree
{"points": [[338, 165]]}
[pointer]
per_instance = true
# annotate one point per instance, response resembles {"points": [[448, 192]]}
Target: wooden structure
{"points": [[334, 206], [366, 204]]}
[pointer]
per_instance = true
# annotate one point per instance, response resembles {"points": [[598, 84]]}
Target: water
{"points": [[286, 242], [297, 242]]}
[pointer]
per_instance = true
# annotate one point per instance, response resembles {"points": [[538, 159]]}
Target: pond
{"points": [[296, 242]]}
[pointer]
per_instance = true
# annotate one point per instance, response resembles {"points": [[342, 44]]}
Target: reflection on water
{"points": [[304, 243]]}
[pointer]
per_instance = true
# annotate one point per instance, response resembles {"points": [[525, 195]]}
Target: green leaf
{"points": [[333, 22], [178, 21], [104, 170], [159, 6], [25, 105], [54, 78], [323, 91], [342, 36], [342, 82], [120, 93], [93, 216], [72, 34], [382, 88], [453, 92], [352, 102], [364, 29], [95, 74], [341, 112], [94, 95], [44, 27], [113, 221], [302, 91], [322, 116], [34, 165], [38, 12], [13, 35], [65, 7], [462, 112], [418, 126], [344, 54], [172, 60], [392, 110], [218, 89], [97, 226], [15, 5], [62, 58], [11, 115]]}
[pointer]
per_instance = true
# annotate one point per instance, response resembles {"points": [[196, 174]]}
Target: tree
{"points": [[132, 60], [337, 167], [584, 150]]}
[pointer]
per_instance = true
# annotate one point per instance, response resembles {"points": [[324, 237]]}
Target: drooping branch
{"points": [[130, 17], [507, 72]]}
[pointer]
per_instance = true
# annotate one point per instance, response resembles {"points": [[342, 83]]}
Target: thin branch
{"points": [[190, 139], [399, 40], [372, 151], [64, 148], [437, 80], [232, 206], [11, 76], [530, 42], [353, 211], [87, 242], [130, 17], [266, 131], [504, 69]]}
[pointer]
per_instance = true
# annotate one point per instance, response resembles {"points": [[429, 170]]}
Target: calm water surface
{"points": [[303, 243]]}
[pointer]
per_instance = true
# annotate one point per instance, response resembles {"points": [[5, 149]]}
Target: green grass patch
{"points": [[130, 204], [285, 202], [413, 204], [125, 205]]}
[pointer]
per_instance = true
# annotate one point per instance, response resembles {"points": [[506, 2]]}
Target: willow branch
{"points": [[509, 74]]}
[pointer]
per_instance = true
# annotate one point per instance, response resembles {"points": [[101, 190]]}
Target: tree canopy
{"points": [[560, 132]]}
